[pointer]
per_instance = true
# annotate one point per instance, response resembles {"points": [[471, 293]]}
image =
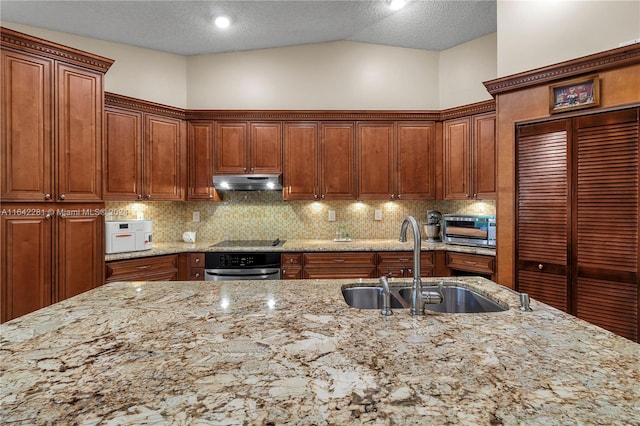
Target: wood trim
{"points": [[24, 42], [613, 58], [312, 115], [115, 100], [470, 109]]}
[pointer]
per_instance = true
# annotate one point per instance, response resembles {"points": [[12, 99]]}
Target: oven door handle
{"points": [[258, 274]]}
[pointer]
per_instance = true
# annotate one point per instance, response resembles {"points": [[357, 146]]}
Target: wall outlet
{"points": [[332, 215], [140, 215], [377, 215], [196, 217]]}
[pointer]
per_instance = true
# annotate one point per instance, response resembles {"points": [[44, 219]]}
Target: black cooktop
{"points": [[250, 243]]}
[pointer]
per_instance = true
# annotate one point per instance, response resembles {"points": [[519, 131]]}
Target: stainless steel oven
{"points": [[243, 264]]}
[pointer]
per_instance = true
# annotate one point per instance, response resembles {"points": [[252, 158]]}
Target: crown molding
{"points": [[312, 115], [614, 58], [115, 100], [16, 40], [466, 110]]}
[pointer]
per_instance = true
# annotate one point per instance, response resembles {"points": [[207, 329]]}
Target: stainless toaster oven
{"points": [[469, 230]]}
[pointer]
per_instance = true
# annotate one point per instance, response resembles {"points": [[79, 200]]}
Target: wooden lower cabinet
{"points": [[470, 264], [291, 266], [49, 253], [191, 267], [154, 268], [339, 265], [400, 264]]}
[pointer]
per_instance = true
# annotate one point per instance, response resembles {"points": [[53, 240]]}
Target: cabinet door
{"points": [[542, 223], [266, 147], [301, 161], [416, 172], [79, 110], [457, 157], [484, 156], [164, 153], [606, 221], [376, 160], [337, 161], [200, 154], [122, 155], [231, 153], [80, 250], [25, 264], [27, 129]]}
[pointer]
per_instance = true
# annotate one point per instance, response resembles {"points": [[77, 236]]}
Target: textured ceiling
{"points": [[185, 27]]}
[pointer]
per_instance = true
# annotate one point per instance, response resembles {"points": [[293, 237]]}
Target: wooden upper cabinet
{"points": [[27, 127], [470, 158], [416, 149], [337, 161], [164, 155], [319, 161], [301, 161], [457, 159], [79, 134], [265, 153], [122, 155], [145, 154], [376, 160], [484, 156], [248, 147], [200, 167]]}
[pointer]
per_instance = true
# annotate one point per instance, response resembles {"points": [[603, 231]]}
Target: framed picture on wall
{"points": [[574, 94]]}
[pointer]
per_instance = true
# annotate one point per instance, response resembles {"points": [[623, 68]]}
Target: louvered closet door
{"points": [[542, 233], [606, 206]]}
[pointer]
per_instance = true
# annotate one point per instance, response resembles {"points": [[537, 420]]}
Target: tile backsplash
{"points": [[263, 215]]}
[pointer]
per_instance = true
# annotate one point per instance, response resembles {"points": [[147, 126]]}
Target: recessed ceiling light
{"points": [[222, 22], [396, 4]]}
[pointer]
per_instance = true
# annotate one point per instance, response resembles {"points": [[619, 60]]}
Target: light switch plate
{"points": [[196, 217], [332, 215], [377, 215]]}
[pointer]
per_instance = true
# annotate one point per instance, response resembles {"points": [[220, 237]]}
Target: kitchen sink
{"points": [[457, 300]]}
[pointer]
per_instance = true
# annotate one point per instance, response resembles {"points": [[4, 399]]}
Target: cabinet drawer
{"points": [[328, 272], [471, 262], [197, 260], [337, 260], [196, 274], [139, 269], [288, 259], [291, 273]]}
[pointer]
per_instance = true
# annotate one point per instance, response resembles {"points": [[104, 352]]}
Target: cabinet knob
{"points": [[197, 260], [47, 216], [409, 271], [244, 169], [315, 196], [139, 197], [148, 196], [393, 196], [62, 197], [322, 196], [475, 195], [399, 196], [47, 196], [197, 274], [540, 266], [284, 271], [252, 170], [210, 196]]}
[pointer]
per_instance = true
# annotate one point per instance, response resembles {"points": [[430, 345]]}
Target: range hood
{"points": [[249, 182]]}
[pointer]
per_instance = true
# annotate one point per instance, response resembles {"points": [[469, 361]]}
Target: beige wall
{"points": [[140, 73], [337, 75], [533, 34], [463, 69]]}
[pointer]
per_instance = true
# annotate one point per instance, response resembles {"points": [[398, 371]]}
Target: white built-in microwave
{"points": [[128, 235]]}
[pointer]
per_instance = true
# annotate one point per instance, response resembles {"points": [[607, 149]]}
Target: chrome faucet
{"points": [[417, 307]]}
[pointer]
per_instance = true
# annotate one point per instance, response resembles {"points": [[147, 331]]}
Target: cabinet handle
{"points": [[315, 196], [148, 196], [210, 196], [540, 266], [47, 196], [284, 271], [322, 196], [139, 197], [244, 170], [468, 262], [47, 216], [143, 267], [393, 196], [475, 195], [197, 274], [62, 197], [410, 271], [399, 196], [403, 259], [338, 260], [197, 260], [252, 170]]}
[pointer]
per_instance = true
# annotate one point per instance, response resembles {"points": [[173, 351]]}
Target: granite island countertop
{"points": [[306, 245], [276, 352]]}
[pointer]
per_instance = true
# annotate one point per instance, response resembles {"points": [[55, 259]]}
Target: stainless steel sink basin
{"points": [[371, 297], [457, 300]]}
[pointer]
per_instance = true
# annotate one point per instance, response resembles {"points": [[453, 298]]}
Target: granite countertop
{"points": [[292, 352], [301, 246]]}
